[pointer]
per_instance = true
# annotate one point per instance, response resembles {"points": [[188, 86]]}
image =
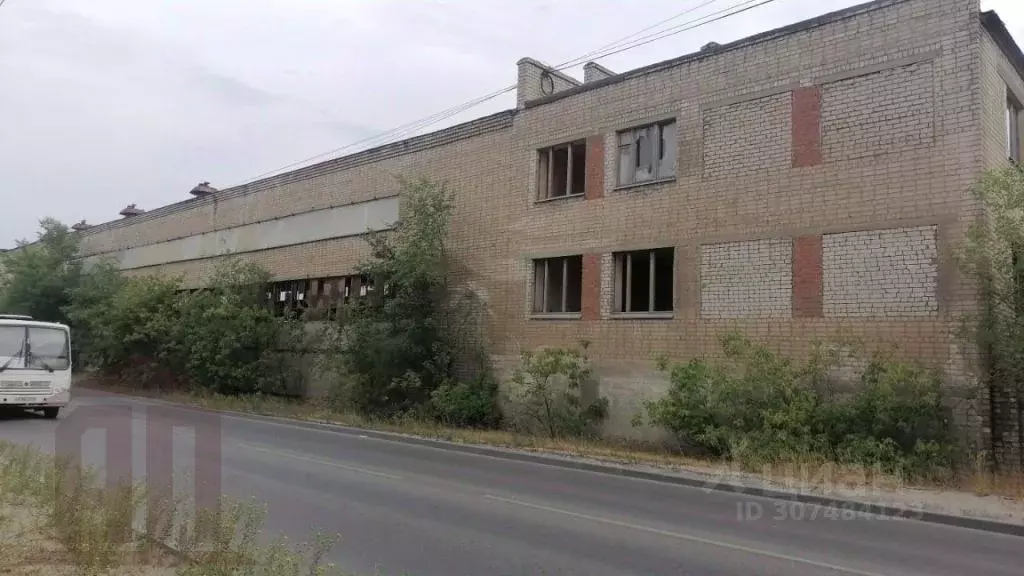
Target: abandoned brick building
{"points": [[791, 184]]}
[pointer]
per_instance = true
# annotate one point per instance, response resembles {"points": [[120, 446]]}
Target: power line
{"points": [[673, 32], [410, 128], [404, 130], [624, 39]]}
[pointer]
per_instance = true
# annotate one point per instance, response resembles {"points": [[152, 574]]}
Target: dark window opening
{"points": [[579, 169], [558, 284], [644, 280], [561, 170]]}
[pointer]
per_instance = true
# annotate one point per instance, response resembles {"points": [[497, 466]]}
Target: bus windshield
{"points": [[34, 348]]}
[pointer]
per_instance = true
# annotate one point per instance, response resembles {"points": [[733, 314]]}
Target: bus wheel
{"points": [[51, 413]]}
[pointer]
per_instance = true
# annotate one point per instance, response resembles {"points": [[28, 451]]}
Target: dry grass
{"points": [[817, 476], [55, 520]]}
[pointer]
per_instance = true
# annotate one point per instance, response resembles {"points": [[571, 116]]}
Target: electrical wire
{"points": [[616, 47], [621, 41], [661, 35]]}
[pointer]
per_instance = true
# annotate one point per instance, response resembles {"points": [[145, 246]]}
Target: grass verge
{"points": [[56, 520]]}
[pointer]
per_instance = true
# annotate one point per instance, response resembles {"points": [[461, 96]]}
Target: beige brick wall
{"points": [[881, 273], [729, 188], [921, 49], [475, 166], [996, 78], [881, 113], [747, 136], [752, 279]]}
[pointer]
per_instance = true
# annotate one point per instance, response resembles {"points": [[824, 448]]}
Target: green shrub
{"points": [[547, 388], [396, 347], [472, 404], [117, 319], [895, 420], [222, 338], [756, 407]]}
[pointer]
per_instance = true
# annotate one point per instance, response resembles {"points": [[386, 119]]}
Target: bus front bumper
{"points": [[55, 400]]}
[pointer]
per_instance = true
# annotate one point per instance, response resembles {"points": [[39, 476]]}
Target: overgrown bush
{"points": [[754, 406], [895, 419], [547, 390], [469, 404], [757, 407], [228, 341], [118, 319], [992, 259], [397, 348], [222, 338]]}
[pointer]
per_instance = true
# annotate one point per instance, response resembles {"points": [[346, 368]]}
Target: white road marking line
{"points": [[319, 461], [677, 535]]}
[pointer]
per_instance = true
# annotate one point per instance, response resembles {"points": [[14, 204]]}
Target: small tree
{"points": [[37, 277], [394, 346], [120, 319], [548, 386], [993, 256]]}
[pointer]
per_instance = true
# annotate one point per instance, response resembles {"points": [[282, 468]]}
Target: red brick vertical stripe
{"points": [[806, 127], [807, 297], [591, 297], [595, 167]]}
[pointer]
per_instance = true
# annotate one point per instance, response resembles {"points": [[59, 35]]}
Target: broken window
{"points": [[289, 297], [644, 280], [647, 153], [562, 170], [557, 284], [1013, 133]]}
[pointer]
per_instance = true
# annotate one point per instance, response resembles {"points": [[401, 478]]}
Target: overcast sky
{"points": [[109, 102]]}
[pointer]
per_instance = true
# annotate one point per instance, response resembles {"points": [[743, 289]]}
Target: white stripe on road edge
{"points": [[688, 537], [319, 461]]}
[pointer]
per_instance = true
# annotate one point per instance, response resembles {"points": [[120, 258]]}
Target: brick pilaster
{"points": [[807, 284], [595, 167], [806, 127], [591, 297]]}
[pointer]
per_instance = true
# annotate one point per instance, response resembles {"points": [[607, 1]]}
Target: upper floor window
{"points": [[562, 170], [647, 153], [557, 284], [1013, 133], [644, 280]]}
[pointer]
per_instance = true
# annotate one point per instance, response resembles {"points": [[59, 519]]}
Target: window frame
{"points": [[655, 131], [540, 309], [622, 285], [546, 175], [1014, 110]]}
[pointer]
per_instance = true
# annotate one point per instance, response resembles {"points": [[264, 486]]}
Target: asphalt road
{"points": [[407, 509]]}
